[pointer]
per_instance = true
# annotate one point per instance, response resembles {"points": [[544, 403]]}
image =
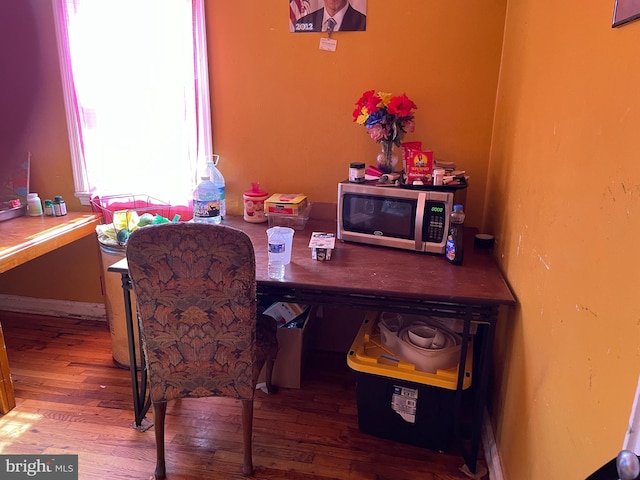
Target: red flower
{"points": [[401, 106], [368, 100]]}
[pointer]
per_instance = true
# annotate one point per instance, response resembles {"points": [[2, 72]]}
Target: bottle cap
{"points": [[457, 208]]}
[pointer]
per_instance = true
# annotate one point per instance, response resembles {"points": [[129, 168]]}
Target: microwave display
{"points": [[380, 216], [434, 222]]}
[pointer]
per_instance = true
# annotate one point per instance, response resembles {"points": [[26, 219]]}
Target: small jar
{"points": [[34, 205], [438, 176], [48, 208], [254, 204], [59, 206], [356, 172]]}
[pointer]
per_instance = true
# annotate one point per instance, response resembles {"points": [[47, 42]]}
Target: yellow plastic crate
{"points": [[368, 355]]}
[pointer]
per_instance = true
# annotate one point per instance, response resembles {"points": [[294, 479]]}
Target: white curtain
{"points": [[136, 91]]}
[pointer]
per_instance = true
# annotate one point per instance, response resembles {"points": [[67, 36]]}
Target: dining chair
{"points": [[195, 288]]}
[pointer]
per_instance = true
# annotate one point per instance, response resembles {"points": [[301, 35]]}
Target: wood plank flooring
{"points": [[71, 399]]}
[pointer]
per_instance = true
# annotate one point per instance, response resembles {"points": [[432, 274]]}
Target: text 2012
{"points": [[304, 27]]}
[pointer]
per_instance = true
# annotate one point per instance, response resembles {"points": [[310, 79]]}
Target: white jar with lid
{"points": [[356, 172], [254, 204], [34, 205], [438, 176]]}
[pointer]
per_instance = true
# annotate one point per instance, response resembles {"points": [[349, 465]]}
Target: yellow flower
{"points": [[385, 98], [364, 114]]}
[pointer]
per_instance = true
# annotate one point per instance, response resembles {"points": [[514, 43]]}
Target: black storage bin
{"points": [[399, 403]]}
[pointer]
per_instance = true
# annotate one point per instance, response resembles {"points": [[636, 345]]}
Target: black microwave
{"points": [[412, 219]]}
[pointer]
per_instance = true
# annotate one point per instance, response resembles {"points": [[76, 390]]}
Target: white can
{"points": [[438, 176]]}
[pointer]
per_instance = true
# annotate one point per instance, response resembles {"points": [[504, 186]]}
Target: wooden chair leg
{"points": [[247, 431], [159, 413], [268, 370]]}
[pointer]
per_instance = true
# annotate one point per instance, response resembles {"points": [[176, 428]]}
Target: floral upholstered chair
{"points": [[195, 287]]}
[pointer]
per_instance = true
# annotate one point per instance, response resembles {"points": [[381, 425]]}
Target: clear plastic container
{"points": [[280, 242], [297, 222]]}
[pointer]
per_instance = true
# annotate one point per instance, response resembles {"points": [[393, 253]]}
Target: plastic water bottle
{"points": [[277, 254], [206, 203], [218, 180], [454, 249]]}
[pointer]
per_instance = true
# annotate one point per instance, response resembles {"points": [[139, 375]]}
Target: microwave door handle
{"points": [[422, 200]]}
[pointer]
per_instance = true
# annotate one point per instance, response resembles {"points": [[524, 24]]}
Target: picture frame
{"points": [[625, 11]]}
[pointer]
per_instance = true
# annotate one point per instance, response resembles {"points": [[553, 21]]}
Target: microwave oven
{"points": [[398, 217]]}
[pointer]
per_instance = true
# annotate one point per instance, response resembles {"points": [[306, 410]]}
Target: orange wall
{"points": [[564, 202], [282, 108]]}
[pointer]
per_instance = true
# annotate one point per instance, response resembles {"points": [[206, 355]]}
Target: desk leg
{"points": [[464, 350], [7, 399], [141, 403], [481, 378]]}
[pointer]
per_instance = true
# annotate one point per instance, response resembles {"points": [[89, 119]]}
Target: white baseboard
{"points": [[491, 449], [53, 308]]}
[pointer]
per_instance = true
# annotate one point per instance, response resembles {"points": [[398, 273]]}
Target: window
{"points": [[136, 90]]}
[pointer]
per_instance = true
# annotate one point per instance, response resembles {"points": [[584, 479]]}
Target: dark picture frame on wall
{"points": [[625, 11]]}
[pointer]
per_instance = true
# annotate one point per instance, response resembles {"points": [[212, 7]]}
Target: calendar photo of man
{"points": [[327, 16]]}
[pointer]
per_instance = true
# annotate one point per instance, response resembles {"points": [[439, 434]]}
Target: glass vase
{"points": [[387, 158]]}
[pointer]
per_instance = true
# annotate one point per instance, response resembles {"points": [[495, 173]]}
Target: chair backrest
{"points": [[195, 288]]}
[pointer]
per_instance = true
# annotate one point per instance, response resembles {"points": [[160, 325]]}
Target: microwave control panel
{"points": [[435, 221]]}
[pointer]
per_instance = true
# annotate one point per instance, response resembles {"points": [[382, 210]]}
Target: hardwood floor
{"points": [[71, 399]]}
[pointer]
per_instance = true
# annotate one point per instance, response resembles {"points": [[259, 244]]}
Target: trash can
{"points": [[121, 214], [114, 302]]}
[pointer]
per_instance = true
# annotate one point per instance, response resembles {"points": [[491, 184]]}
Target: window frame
{"points": [[82, 186]]}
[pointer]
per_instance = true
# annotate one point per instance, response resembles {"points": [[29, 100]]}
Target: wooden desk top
{"points": [[25, 238], [378, 271]]}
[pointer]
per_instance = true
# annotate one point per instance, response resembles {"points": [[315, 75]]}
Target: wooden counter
{"points": [[22, 239], [25, 238]]}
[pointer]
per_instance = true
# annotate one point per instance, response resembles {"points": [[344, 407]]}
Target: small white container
{"points": [[438, 176], [34, 205], [254, 204]]}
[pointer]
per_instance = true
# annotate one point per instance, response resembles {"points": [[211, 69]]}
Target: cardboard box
{"points": [[292, 353], [285, 204]]}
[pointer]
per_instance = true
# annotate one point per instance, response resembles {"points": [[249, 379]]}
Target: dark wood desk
{"points": [[22, 239], [377, 278]]}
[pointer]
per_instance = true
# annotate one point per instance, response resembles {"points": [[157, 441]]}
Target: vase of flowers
{"points": [[387, 118], [387, 158]]}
